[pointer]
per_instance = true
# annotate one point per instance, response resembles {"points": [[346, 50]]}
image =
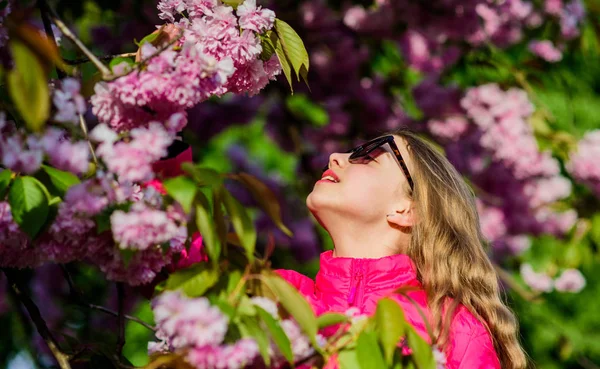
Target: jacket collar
{"points": [[384, 273]]}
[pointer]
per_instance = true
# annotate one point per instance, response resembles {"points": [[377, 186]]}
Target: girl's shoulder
{"points": [[304, 284]]}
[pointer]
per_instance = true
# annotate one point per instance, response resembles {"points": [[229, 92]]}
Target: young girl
{"points": [[399, 214]]}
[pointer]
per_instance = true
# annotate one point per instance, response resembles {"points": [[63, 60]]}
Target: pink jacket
{"points": [[348, 282]]}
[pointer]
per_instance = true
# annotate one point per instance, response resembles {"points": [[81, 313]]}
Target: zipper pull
{"points": [[352, 295]]}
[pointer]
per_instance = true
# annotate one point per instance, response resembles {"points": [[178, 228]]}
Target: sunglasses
{"points": [[360, 154]]}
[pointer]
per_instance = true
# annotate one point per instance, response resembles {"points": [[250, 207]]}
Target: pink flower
{"points": [[188, 322], [168, 8], [571, 280], [232, 356], [21, 156], [266, 304], [198, 8], [545, 50], [69, 102], [537, 281], [450, 129], [583, 164], [553, 7], [64, 154], [492, 221], [142, 227], [355, 16], [255, 18], [131, 161], [301, 346]]}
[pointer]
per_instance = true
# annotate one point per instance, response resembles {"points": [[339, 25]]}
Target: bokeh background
{"points": [[508, 89]]}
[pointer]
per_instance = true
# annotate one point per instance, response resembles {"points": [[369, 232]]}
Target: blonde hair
{"points": [[447, 247]]}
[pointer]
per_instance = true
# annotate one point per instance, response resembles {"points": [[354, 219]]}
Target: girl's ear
{"points": [[403, 215]]}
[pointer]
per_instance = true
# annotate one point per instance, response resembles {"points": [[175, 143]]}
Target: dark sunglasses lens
{"points": [[367, 148]]}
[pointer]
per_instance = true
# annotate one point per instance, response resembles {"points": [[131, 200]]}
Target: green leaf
{"points": [[368, 351], [242, 224], [595, 229], [283, 60], [390, 323], [293, 48], [265, 198], [294, 303], [219, 217], [207, 228], [202, 176], [233, 278], [268, 48], [223, 305], [233, 3], [348, 359], [329, 319], [148, 38], [277, 333], [193, 281], [60, 179], [183, 190], [28, 86], [28, 200], [119, 59], [422, 353], [5, 177], [250, 328], [304, 109]]}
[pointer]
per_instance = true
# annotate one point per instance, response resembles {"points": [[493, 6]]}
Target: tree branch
{"points": [[71, 36], [44, 11], [120, 318], [146, 60], [84, 129], [103, 58], [114, 313], [77, 297], [38, 321]]}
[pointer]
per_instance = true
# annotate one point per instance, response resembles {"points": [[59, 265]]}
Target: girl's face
{"points": [[365, 191]]}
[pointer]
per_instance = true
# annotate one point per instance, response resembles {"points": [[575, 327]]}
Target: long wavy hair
{"points": [[447, 247]]}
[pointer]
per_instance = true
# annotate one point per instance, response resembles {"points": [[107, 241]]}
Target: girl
{"points": [[399, 214]]}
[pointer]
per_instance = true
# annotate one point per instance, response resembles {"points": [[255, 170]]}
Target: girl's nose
{"points": [[337, 160]]}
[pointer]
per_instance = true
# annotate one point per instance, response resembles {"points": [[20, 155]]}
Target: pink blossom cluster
{"points": [[493, 144], [68, 102], [18, 151], [132, 161], [569, 15], [219, 53], [22, 152], [546, 50], [194, 325], [73, 234], [432, 40], [583, 164], [142, 227], [63, 154], [570, 280]]}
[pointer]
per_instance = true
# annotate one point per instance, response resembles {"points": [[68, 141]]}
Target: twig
{"points": [[34, 313], [44, 11], [84, 129], [120, 318], [103, 58], [147, 59], [114, 313], [71, 36], [76, 295]]}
